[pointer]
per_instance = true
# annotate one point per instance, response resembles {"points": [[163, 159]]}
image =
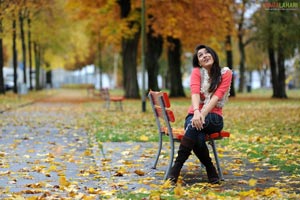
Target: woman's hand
{"points": [[198, 120]]}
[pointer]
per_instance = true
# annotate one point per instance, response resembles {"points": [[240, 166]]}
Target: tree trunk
{"points": [[174, 64], [49, 78], [129, 47], [37, 55], [249, 82], [129, 54], [281, 73], [242, 63], [242, 47], [230, 62], [153, 53], [29, 52], [263, 76], [100, 65], [14, 50], [2, 86], [273, 71], [22, 34]]}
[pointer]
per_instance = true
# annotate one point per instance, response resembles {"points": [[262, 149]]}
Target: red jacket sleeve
{"points": [[225, 84], [195, 81]]}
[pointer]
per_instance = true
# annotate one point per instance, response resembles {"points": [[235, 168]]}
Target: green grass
{"points": [[261, 127]]}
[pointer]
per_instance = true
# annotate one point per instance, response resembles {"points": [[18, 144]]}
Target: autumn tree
{"points": [[228, 40], [29, 44], [14, 50], [169, 29], [8, 15], [51, 37], [243, 28], [255, 61], [154, 49], [131, 15], [183, 26], [4, 11], [22, 16], [2, 86], [103, 36], [278, 32]]}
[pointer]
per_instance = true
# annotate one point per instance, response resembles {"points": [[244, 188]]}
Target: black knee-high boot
{"points": [[203, 155], [184, 152]]}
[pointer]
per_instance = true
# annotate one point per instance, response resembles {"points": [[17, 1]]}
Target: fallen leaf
{"points": [[139, 172], [63, 181], [252, 182]]}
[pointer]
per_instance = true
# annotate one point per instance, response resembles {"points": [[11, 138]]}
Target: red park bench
{"points": [[105, 95], [161, 106]]}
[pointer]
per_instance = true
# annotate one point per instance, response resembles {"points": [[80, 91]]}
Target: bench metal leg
{"points": [[171, 158], [107, 104], [158, 151], [213, 145], [121, 107]]}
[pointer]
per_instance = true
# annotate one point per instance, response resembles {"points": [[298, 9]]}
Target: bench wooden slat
{"points": [[178, 134], [170, 114], [155, 99]]}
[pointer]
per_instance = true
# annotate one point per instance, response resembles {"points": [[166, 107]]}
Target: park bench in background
{"points": [[104, 94], [163, 113], [90, 88]]}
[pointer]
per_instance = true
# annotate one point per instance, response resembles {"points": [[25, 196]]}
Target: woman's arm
{"points": [[195, 101], [212, 103], [199, 116]]}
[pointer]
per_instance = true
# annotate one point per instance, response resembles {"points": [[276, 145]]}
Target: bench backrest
{"points": [[161, 105], [104, 93]]}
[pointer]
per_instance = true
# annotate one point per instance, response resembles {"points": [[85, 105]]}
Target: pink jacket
{"points": [[222, 91]]}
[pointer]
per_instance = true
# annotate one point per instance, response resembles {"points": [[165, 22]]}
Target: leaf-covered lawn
{"points": [[264, 131], [260, 160], [11, 100]]}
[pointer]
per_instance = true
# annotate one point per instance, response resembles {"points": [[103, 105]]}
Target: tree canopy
{"points": [[76, 33]]}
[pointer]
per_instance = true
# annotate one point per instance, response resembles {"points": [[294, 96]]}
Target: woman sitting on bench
{"points": [[210, 87]]}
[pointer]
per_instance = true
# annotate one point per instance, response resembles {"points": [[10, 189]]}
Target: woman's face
{"points": [[205, 58]]}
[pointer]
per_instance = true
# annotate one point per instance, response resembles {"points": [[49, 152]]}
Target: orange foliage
{"points": [[191, 21], [102, 16]]}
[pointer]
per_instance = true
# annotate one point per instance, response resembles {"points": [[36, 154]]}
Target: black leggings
{"points": [[213, 123]]}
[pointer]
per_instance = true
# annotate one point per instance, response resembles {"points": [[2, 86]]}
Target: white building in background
{"points": [[86, 75]]}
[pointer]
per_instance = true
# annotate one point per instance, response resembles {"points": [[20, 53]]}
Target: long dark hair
{"points": [[215, 72]]}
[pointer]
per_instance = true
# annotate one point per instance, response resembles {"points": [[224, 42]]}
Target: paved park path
{"points": [[44, 153]]}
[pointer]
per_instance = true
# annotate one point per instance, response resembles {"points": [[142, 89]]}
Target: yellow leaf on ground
{"points": [[167, 184], [139, 172], [272, 191], [252, 182], [178, 190], [63, 181], [250, 193], [52, 168], [87, 152], [144, 138], [120, 172], [155, 195], [89, 198], [237, 174]]}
